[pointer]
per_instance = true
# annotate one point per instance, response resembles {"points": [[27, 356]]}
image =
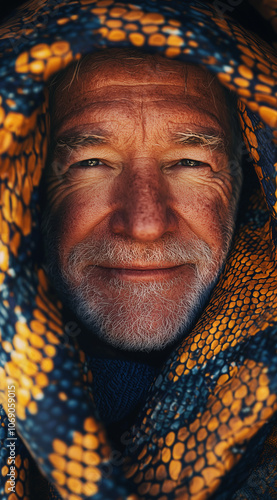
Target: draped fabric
{"points": [[208, 426]]}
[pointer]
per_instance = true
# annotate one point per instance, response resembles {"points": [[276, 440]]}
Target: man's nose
{"points": [[143, 202]]}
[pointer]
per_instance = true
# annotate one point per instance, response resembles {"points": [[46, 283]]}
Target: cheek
{"points": [[78, 214], [205, 211]]}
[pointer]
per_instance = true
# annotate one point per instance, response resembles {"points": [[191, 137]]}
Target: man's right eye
{"points": [[92, 162]]}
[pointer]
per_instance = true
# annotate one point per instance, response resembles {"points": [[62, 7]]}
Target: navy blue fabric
{"points": [[119, 386]]}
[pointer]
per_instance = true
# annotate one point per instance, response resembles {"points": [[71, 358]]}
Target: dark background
{"points": [[243, 12], [7, 6]]}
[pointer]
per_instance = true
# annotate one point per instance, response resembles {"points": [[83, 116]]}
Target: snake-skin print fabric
{"points": [[207, 429]]}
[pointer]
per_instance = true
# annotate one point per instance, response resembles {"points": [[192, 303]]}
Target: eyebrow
{"points": [[214, 141], [78, 140]]}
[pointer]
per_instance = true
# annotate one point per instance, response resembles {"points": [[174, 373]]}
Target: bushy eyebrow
{"points": [[212, 141], [79, 140]]}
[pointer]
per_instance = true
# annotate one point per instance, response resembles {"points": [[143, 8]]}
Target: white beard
{"points": [[136, 315], [140, 316]]}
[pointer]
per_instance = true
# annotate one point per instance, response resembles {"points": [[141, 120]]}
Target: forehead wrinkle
{"points": [[61, 119], [137, 91], [93, 97], [137, 107]]}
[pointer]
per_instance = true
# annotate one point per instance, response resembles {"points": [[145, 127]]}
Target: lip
{"points": [[138, 273]]}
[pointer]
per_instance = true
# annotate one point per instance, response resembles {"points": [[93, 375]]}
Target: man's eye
{"points": [[92, 162], [190, 163]]}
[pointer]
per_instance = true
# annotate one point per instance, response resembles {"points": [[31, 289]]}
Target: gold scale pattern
{"points": [[175, 456]]}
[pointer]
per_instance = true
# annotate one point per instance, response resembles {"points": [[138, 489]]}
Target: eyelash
{"points": [[85, 163]]}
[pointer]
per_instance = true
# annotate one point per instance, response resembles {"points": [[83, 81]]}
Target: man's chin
{"points": [[134, 334], [137, 323]]}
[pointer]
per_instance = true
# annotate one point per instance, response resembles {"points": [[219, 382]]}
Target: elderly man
{"points": [[143, 187]]}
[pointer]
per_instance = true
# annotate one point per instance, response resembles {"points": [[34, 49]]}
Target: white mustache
{"points": [[119, 253]]}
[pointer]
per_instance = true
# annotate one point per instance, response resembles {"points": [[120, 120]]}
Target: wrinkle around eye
{"points": [[65, 190]]}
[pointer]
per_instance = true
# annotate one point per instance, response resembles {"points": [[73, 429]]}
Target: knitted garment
{"points": [[119, 386], [207, 429]]}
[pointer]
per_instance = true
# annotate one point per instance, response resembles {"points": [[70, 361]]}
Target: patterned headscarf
{"points": [[207, 428]]}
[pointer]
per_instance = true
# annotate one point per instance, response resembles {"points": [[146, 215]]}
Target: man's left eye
{"points": [[190, 163], [92, 162]]}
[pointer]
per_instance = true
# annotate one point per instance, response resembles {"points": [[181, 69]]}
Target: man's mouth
{"points": [[142, 273]]}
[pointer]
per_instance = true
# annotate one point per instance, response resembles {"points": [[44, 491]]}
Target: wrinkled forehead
{"points": [[133, 66], [114, 73]]}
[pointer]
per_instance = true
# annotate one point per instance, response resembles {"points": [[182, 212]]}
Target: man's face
{"points": [[140, 210]]}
